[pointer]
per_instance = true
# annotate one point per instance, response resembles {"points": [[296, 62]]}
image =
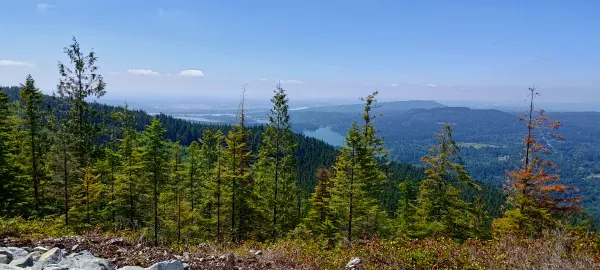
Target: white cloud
{"points": [[192, 73], [393, 84], [291, 81], [263, 79], [43, 7], [11, 63], [432, 85], [144, 72]]}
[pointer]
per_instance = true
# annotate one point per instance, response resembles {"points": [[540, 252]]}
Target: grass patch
{"points": [[477, 145]]}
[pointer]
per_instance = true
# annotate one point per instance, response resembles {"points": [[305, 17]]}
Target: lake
{"points": [[327, 135]]}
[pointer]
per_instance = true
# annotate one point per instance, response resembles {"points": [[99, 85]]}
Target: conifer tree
{"points": [[347, 190], [62, 160], [359, 178], [130, 185], [111, 161], [238, 157], [319, 217], [275, 187], [155, 158], [33, 120], [176, 180], [374, 154], [440, 206], [213, 167], [77, 83], [405, 214], [535, 194], [192, 167], [85, 198], [10, 197]]}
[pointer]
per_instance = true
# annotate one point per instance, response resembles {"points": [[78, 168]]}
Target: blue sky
{"points": [[327, 49]]}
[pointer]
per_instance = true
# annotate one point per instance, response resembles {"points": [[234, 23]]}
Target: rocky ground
{"points": [[98, 253]]}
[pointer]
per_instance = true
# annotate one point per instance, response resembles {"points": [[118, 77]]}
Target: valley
{"points": [[489, 138]]}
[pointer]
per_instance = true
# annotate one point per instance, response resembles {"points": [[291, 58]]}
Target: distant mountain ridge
{"points": [[390, 106]]}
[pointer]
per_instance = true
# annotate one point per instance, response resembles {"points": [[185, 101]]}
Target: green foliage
{"points": [[275, 187], [34, 228], [77, 83], [84, 210], [237, 174], [33, 147], [441, 209], [10, 190], [155, 159]]}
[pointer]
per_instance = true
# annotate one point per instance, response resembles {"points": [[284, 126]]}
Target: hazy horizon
{"points": [[430, 50]]}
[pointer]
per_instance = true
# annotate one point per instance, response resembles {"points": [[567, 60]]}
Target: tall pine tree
{"points": [[238, 157], [441, 210], [536, 197], [77, 83], [275, 187], [213, 165], [155, 157], [10, 195], [33, 120]]}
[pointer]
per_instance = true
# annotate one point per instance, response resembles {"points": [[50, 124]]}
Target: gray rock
{"points": [[36, 255], [259, 252], [14, 251], [114, 241], [40, 249], [4, 259], [51, 257], [354, 263], [24, 261], [5, 256], [86, 260], [132, 268], [9, 267], [168, 265], [186, 266], [55, 267]]}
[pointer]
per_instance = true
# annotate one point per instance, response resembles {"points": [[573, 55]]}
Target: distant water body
{"points": [[327, 135]]}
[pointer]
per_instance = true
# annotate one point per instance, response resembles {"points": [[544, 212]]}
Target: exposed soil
{"points": [[122, 253]]}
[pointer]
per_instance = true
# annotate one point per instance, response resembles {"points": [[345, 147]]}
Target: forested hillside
{"points": [[490, 141]]}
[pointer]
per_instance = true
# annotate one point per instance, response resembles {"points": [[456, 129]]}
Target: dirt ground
{"points": [[123, 253]]}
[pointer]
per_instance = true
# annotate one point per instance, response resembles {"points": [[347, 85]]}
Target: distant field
{"points": [[593, 176], [478, 145]]}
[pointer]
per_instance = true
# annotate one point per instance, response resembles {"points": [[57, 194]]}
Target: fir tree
{"points": [[440, 206], [10, 197], [275, 187], [213, 166], [320, 215], [176, 179], [347, 191], [86, 196], [62, 160], [535, 194], [155, 158], [193, 162], [33, 120], [76, 84], [238, 157], [129, 184]]}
